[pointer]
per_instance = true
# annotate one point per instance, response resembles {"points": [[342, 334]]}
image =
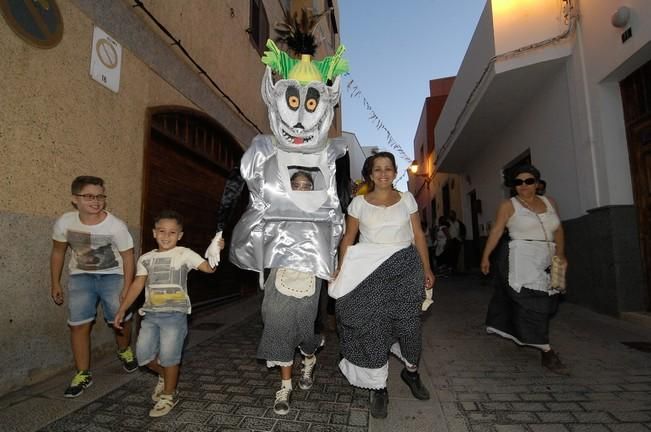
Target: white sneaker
{"points": [[158, 390], [281, 405], [164, 405], [307, 374]]}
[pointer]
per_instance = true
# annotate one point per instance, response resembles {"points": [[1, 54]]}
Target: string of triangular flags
{"points": [[354, 92]]}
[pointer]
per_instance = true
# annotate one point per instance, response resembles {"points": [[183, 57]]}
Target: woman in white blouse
{"points": [[524, 301], [381, 285]]}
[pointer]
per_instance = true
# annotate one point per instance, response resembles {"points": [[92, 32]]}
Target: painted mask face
{"points": [[300, 115]]}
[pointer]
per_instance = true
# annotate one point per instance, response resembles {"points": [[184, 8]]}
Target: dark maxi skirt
{"points": [[288, 323], [522, 317], [384, 308]]}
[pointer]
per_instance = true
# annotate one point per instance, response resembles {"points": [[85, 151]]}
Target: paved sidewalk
{"points": [[222, 388], [478, 382], [486, 383]]}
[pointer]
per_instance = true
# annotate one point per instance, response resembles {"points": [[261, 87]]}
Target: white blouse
{"points": [[384, 230], [385, 224]]}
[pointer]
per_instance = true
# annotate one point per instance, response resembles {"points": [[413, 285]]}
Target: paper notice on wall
{"points": [[106, 60]]}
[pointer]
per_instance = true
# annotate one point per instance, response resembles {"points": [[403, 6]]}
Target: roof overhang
{"points": [[498, 101]]}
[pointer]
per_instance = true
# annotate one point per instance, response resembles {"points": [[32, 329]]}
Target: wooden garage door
{"points": [[187, 161], [636, 99]]}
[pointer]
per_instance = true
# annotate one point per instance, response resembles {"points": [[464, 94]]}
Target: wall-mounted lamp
{"points": [[621, 17], [413, 169]]}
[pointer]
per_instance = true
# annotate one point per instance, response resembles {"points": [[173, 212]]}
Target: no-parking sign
{"points": [[106, 60]]}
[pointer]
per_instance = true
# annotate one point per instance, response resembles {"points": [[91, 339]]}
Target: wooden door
{"points": [[636, 99], [186, 171], [639, 142]]}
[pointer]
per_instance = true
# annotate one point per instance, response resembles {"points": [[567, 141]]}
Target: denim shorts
{"points": [[86, 290], [162, 335]]}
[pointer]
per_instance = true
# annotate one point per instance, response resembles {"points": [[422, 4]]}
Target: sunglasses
{"points": [[528, 181]]}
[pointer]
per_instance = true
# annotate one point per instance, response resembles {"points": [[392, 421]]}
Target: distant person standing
{"points": [[457, 233], [440, 247], [429, 238], [542, 187]]}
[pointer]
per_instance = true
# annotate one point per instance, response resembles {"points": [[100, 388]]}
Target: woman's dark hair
{"points": [[521, 169], [368, 166]]}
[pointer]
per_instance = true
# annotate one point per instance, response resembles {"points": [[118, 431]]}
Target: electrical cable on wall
{"points": [[570, 18], [354, 91], [202, 71]]}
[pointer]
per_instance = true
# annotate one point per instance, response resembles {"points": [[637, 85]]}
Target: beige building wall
{"points": [[56, 122], [215, 33]]}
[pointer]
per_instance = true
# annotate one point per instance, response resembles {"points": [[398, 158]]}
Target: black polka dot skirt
{"points": [[384, 308]]}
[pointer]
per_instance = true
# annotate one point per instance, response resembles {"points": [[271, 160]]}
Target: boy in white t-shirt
{"points": [[101, 269], [163, 274]]}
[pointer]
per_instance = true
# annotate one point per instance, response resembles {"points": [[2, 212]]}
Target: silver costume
{"points": [[281, 227]]}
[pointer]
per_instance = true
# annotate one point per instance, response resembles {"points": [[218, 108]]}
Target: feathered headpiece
{"points": [[299, 37], [299, 34]]}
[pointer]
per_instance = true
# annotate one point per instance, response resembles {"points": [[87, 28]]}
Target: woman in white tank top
{"points": [[524, 302]]}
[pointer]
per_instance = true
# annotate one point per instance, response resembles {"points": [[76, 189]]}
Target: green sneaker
{"points": [[81, 381], [129, 362]]}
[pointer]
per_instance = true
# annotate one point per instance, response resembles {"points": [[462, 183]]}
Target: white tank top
{"points": [[528, 260], [524, 224]]}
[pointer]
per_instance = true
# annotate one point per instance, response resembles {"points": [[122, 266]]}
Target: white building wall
{"points": [[355, 154], [572, 123], [547, 125], [599, 62], [480, 51], [519, 23], [544, 128], [596, 143], [604, 50]]}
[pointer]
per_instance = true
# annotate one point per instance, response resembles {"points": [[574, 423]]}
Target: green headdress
{"points": [[298, 34], [306, 69]]}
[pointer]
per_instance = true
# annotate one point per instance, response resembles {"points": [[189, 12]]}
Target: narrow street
{"points": [[478, 382], [485, 383]]}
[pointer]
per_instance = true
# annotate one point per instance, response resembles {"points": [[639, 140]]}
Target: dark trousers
{"points": [[453, 247]]}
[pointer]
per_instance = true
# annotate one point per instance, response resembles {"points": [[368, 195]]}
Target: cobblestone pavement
{"points": [[478, 382], [486, 383], [223, 388]]}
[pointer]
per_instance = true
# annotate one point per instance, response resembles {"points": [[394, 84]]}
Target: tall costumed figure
{"points": [[293, 222]]}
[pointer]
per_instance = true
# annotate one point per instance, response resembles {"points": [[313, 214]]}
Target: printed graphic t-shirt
{"points": [[167, 277], [95, 248]]}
